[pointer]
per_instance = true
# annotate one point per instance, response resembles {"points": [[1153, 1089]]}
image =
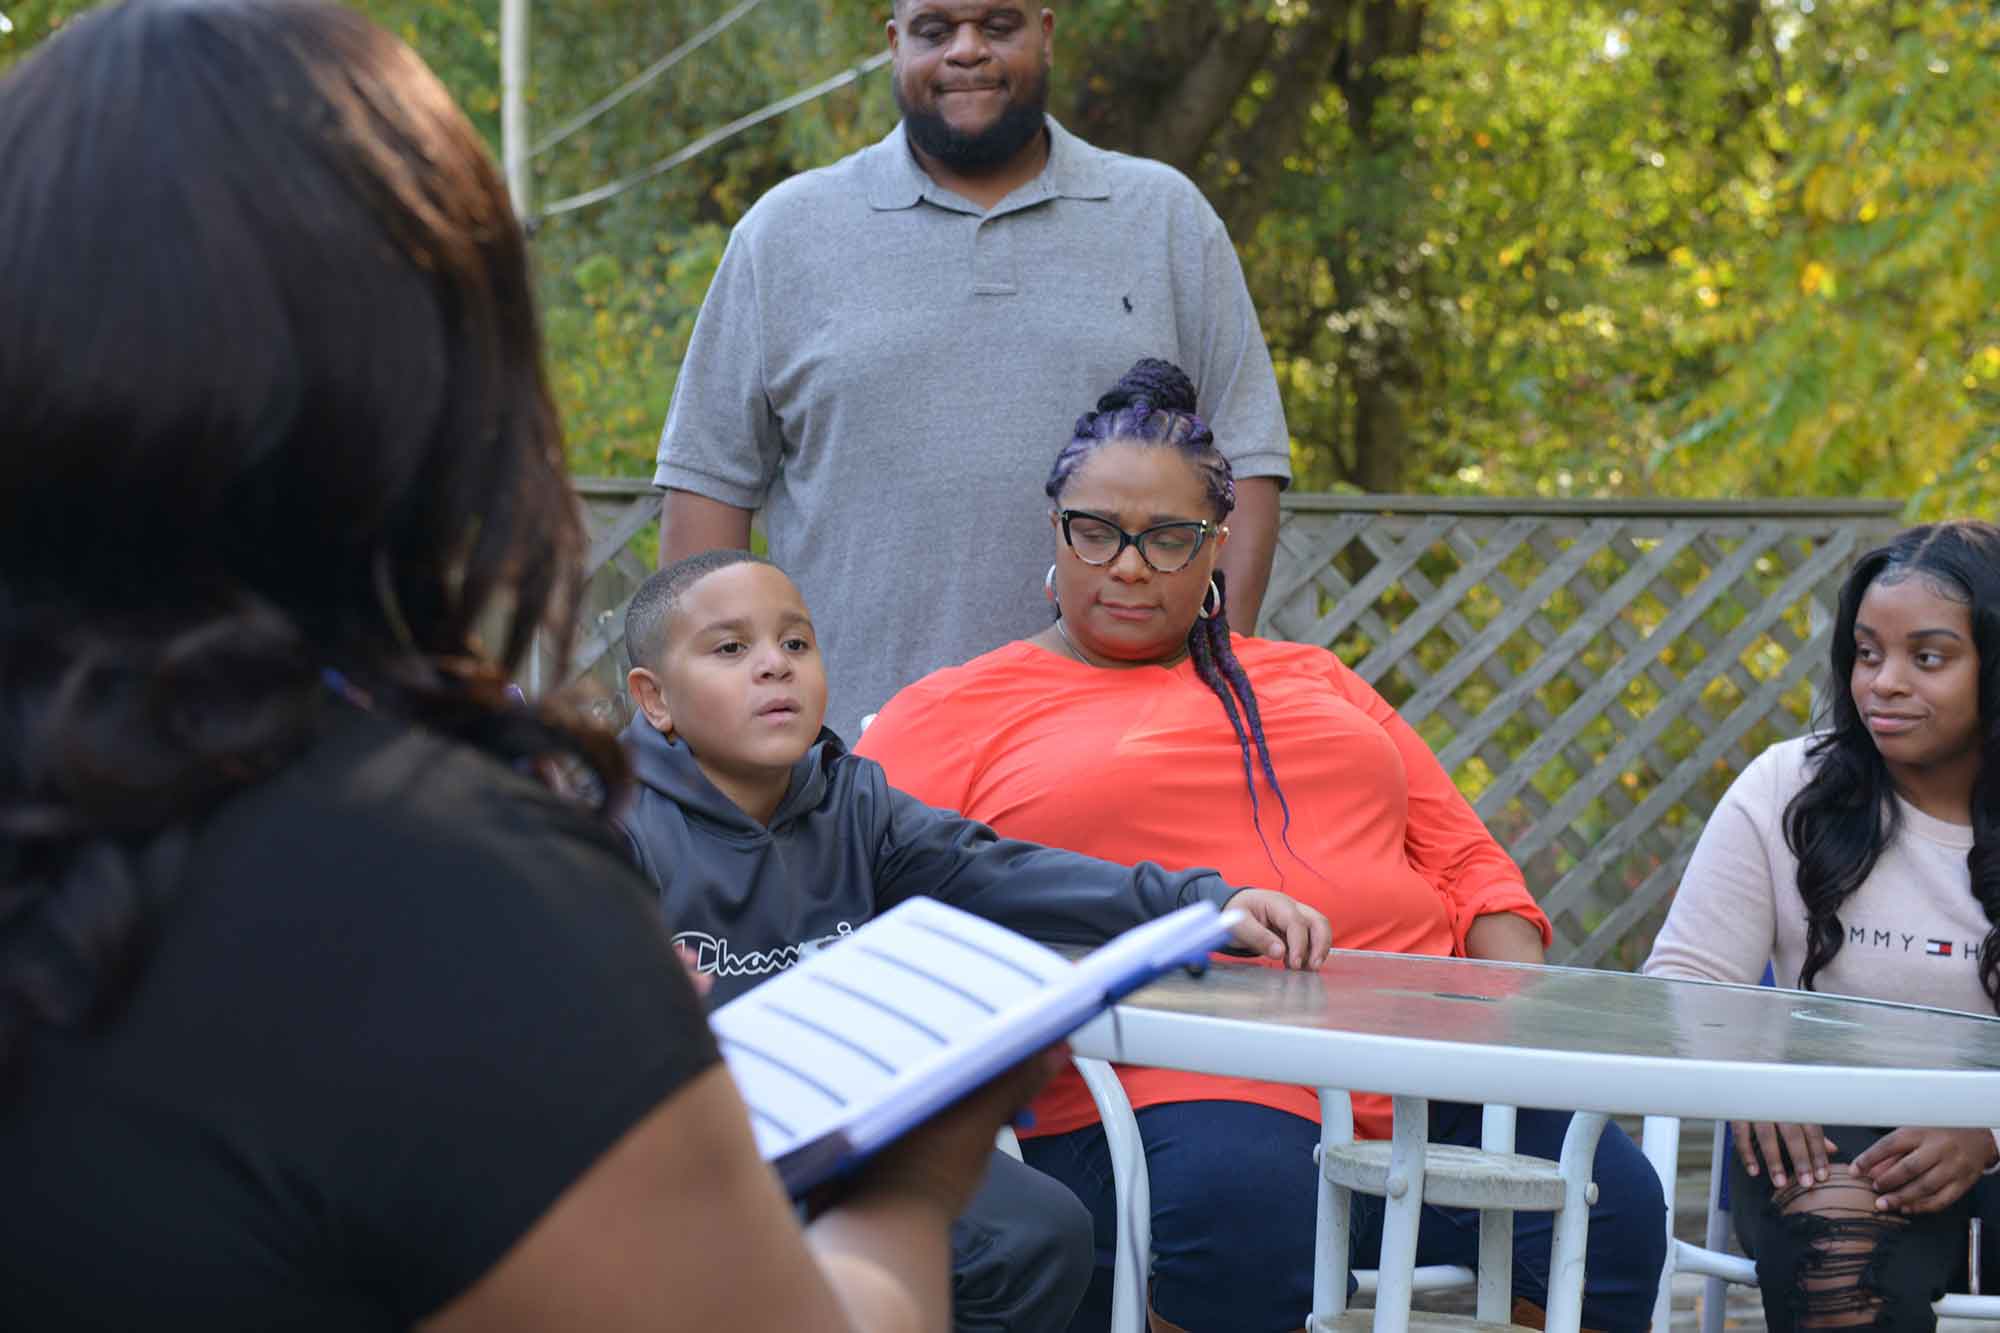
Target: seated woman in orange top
{"points": [[1135, 727]]}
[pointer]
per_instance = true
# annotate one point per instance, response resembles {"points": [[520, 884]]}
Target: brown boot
{"points": [[1527, 1314]]}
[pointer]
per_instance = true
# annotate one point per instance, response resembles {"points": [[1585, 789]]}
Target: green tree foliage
{"points": [[1581, 247], [27, 22], [622, 281]]}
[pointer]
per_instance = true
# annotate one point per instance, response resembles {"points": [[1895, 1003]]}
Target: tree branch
{"points": [[1298, 72], [1184, 123]]}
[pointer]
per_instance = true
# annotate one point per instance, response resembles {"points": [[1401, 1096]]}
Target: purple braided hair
{"points": [[1154, 404]]}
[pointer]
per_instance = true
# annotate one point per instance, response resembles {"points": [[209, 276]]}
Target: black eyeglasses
{"points": [[1166, 547]]}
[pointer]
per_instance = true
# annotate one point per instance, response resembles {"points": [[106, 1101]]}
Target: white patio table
{"points": [[1563, 1039]]}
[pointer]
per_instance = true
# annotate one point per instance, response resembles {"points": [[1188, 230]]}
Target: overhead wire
{"points": [[643, 77], [689, 151]]}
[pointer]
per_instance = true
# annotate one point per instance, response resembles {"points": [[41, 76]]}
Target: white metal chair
{"points": [[1661, 1142], [1130, 1186], [1410, 1172], [1132, 1189], [1330, 1272]]}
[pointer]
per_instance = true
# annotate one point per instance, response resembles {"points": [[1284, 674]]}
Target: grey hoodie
{"points": [[748, 900]]}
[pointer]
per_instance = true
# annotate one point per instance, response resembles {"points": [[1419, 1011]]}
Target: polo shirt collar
{"points": [[1073, 171]]}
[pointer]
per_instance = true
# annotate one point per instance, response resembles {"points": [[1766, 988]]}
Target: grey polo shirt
{"points": [[888, 373]]}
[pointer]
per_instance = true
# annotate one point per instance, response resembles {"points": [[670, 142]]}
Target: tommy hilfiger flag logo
{"points": [[1909, 943]]}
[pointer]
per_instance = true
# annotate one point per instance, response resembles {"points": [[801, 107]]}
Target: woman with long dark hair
{"points": [[1865, 860], [1136, 726], [316, 1009]]}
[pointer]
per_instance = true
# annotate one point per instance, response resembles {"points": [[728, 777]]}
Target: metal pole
{"points": [[514, 162], [514, 102]]}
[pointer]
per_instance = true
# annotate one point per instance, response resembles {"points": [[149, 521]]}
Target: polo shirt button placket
{"points": [[993, 258]]}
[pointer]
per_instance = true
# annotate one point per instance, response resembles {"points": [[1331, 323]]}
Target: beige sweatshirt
{"points": [[1914, 930]]}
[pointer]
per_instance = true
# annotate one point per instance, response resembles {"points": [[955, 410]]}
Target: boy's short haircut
{"points": [[646, 617]]}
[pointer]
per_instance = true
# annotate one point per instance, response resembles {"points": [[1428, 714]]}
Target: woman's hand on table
{"points": [[1792, 1152], [1281, 928], [1925, 1170]]}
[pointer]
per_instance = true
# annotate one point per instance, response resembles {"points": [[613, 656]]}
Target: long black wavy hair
{"points": [[274, 414], [1839, 822], [1154, 403]]}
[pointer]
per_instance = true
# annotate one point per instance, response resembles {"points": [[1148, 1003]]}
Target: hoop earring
{"points": [[1211, 601], [1049, 590]]}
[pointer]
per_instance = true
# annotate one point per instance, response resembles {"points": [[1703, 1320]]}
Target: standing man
{"points": [[891, 352]]}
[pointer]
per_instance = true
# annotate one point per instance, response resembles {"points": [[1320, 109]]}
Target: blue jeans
{"points": [[1235, 1193]]}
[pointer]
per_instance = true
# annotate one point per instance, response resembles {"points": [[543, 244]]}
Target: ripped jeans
{"points": [[1826, 1259]]}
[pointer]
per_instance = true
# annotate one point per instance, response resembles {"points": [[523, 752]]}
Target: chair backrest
{"points": [[1132, 1192], [1715, 1236]]}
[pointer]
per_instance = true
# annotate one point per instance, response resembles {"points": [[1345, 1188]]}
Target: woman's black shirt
{"points": [[403, 999]]}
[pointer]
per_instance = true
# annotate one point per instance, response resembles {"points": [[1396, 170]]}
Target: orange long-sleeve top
{"points": [[1143, 765]]}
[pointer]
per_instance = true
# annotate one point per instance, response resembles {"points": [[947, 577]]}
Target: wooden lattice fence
{"points": [[1591, 673], [623, 520]]}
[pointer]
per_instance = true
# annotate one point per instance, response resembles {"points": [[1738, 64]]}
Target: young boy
{"points": [[769, 840]]}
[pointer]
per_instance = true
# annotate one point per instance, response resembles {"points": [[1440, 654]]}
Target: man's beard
{"points": [[990, 148]]}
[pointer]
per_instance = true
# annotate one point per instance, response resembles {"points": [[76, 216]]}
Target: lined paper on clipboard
{"points": [[871, 1036]]}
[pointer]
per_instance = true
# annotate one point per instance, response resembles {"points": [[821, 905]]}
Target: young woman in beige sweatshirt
{"points": [[1864, 860]]}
